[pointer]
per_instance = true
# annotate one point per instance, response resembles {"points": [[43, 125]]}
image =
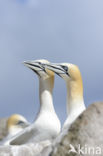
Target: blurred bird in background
{"points": [[15, 123]]}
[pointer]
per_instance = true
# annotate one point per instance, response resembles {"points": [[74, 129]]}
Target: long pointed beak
{"points": [[26, 124], [55, 68], [36, 66]]}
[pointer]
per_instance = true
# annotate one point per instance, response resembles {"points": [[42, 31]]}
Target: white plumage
{"points": [[47, 125], [15, 124], [72, 76]]}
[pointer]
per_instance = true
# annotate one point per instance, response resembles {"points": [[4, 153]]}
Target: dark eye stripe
{"points": [[65, 68], [20, 122]]}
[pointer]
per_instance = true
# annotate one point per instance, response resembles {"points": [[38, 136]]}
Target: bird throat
{"points": [[74, 96], [45, 94]]}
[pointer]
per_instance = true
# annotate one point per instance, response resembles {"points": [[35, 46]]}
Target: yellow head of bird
{"points": [[67, 71], [16, 122]]}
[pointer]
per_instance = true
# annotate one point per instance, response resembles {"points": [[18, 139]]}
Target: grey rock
{"points": [[86, 131], [3, 129]]}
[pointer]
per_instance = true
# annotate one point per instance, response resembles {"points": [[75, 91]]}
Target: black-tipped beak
{"points": [[26, 124]]}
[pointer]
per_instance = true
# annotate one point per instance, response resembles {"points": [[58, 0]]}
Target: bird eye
{"points": [[65, 68], [39, 63], [20, 122]]}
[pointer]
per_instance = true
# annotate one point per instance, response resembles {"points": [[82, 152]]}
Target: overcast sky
{"points": [[56, 30]]}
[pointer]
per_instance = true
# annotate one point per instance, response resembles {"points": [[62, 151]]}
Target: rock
{"points": [[3, 129], [84, 138], [85, 132]]}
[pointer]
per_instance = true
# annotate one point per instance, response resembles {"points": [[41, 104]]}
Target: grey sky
{"points": [[56, 30]]}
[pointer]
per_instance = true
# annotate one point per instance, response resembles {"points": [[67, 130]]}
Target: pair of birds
{"points": [[47, 125]]}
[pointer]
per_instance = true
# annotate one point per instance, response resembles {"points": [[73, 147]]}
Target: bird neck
{"points": [[45, 94], [75, 101], [14, 130]]}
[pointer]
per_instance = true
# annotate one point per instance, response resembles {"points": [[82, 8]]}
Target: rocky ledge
{"points": [[84, 138]]}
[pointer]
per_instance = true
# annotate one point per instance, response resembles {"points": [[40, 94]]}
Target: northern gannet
{"points": [[72, 76], [15, 124], [47, 125]]}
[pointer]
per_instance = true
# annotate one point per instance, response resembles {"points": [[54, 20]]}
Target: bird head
{"points": [[67, 71], [15, 123], [38, 67]]}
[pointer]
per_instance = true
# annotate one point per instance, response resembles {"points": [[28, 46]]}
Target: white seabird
{"points": [[15, 124], [47, 125], [72, 76]]}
